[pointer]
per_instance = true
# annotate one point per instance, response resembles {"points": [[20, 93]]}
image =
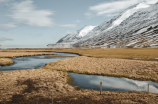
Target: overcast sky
{"points": [[42, 22]]}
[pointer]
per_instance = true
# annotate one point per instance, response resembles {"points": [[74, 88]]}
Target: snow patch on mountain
{"points": [[85, 30], [74, 36]]}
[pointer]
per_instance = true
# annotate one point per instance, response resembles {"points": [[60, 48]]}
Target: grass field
{"points": [[21, 54], [35, 86], [126, 53]]}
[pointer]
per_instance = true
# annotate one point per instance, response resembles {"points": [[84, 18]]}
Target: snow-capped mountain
{"points": [[74, 36], [135, 27]]}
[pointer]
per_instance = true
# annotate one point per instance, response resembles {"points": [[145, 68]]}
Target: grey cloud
{"points": [[110, 8]]}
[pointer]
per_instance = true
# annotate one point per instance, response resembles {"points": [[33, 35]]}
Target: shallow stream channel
{"points": [[82, 80]]}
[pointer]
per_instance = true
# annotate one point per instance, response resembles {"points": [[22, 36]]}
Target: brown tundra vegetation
{"points": [[127, 53], [21, 54], [5, 61], [135, 69], [36, 86]]}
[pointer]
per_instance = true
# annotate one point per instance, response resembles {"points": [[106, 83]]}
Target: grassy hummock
{"points": [[6, 61]]}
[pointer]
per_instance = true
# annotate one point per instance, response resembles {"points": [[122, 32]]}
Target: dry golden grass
{"points": [[33, 83], [25, 50], [128, 53], [35, 86], [21, 54], [5, 61], [136, 69]]}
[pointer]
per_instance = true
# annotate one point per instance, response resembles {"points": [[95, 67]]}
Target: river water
{"points": [[81, 80], [112, 83], [33, 62]]}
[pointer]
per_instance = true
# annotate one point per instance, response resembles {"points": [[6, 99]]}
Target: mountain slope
{"points": [[74, 36], [135, 27]]}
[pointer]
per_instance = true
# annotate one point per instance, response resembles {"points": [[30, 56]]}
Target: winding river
{"points": [[81, 80], [33, 62]]}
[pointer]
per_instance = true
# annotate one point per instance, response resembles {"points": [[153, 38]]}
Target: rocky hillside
{"points": [[135, 27], [75, 36]]}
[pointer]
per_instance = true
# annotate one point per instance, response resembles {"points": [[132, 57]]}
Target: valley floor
{"points": [[37, 85], [134, 69]]}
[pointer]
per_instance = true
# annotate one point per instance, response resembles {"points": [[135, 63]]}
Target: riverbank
{"points": [[22, 54], [6, 61], [5, 56], [134, 69], [36, 86]]}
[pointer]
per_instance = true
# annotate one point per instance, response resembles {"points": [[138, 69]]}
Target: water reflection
{"points": [[112, 83]]}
